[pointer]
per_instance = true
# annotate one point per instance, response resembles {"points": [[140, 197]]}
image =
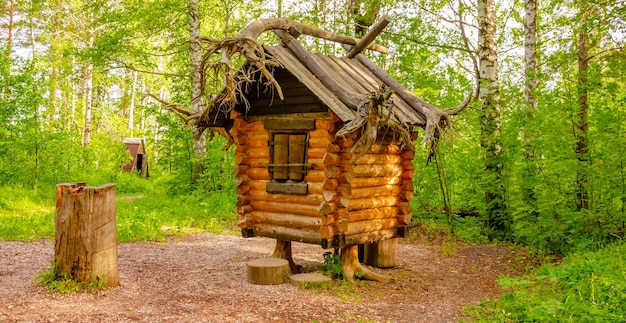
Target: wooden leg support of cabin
{"points": [[352, 266], [283, 251]]}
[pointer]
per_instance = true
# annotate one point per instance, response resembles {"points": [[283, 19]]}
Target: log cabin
{"points": [[324, 144]]}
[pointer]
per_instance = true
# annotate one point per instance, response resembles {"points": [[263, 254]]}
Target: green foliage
{"points": [[62, 284], [587, 287], [332, 266]]}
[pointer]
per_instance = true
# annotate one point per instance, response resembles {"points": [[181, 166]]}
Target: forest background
{"points": [[538, 159]]}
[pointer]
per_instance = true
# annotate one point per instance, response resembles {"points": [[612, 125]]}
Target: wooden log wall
{"points": [[282, 216], [374, 191]]}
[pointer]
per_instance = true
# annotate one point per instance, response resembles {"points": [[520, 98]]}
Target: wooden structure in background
{"points": [[85, 246], [137, 149], [324, 144]]}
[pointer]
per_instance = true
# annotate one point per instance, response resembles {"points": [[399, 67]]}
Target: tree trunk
{"points": [[581, 126], [496, 222], [381, 253], [131, 106], [195, 55], [283, 251], [85, 241], [88, 93], [530, 90], [353, 268], [9, 49]]}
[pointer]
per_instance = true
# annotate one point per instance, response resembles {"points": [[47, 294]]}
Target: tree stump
{"points": [[352, 266], [381, 254], [85, 246], [309, 279], [268, 271]]}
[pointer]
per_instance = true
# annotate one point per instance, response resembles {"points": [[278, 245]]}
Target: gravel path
{"points": [[202, 278]]}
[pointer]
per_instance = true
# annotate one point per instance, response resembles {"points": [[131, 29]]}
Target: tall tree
{"points": [[530, 96], [195, 57], [497, 221], [581, 125]]}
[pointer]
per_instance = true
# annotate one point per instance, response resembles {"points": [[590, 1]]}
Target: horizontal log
{"points": [[287, 234], [361, 238], [286, 208], [315, 152], [320, 142], [257, 142], [333, 148], [320, 133], [356, 182], [287, 220], [373, 159], [369, 192], [368, 203], [258, 152], [371, 226], [260, 173], [407, 165], [262, 195], [371, 214], [405, 196], [315, 176], [324, 123], [255, 126], [373, 170], [258, 162], [241, 179]]}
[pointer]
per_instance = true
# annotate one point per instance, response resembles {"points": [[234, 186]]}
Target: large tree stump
{"points": [[268, 271], [85, 246], [352, 266], [381, 254]]}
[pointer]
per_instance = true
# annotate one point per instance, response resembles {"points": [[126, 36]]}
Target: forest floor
{"points": [[203, 278]]}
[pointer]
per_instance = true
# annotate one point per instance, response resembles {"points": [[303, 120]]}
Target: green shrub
{"points": [[587, 287]]}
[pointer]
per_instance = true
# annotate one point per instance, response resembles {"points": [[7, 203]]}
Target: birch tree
{"points": [[496, 218]]}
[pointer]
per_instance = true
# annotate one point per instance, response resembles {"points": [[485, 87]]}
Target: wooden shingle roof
{"points": [[350, 74]]}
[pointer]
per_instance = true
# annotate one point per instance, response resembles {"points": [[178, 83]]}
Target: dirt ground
{"points": [[202, 278]]}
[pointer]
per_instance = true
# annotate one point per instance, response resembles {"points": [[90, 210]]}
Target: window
{"points": [[288, 152], [288, 165]]}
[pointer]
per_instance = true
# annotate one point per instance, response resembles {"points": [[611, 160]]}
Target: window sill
{"points": [[286, 188]]}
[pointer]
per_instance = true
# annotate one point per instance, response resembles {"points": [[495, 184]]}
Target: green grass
{"points": [[586, 287], [146, 214]]}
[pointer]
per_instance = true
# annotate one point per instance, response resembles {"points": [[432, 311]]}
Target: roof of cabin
{"points": [[348, 72]]}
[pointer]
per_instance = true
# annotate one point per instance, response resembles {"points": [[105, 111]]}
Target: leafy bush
{"points": [[587, 287], [332, 266]]}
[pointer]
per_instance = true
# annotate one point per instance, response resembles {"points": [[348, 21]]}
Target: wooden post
{"points": [[381, 253], [85, 242]]}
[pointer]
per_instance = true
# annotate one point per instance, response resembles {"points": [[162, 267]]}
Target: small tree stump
{"points": [[85, 247], [381, 254], [268, 271], [309, 279]]}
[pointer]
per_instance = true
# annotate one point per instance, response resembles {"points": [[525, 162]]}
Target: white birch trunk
{"points": [[195, 54], [88, 93]]}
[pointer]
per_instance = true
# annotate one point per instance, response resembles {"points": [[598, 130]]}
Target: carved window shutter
{"points": [[281, 156], [297, 145]]}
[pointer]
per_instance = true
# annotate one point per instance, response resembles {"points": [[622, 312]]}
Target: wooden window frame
{"points": [[291, 133]]}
